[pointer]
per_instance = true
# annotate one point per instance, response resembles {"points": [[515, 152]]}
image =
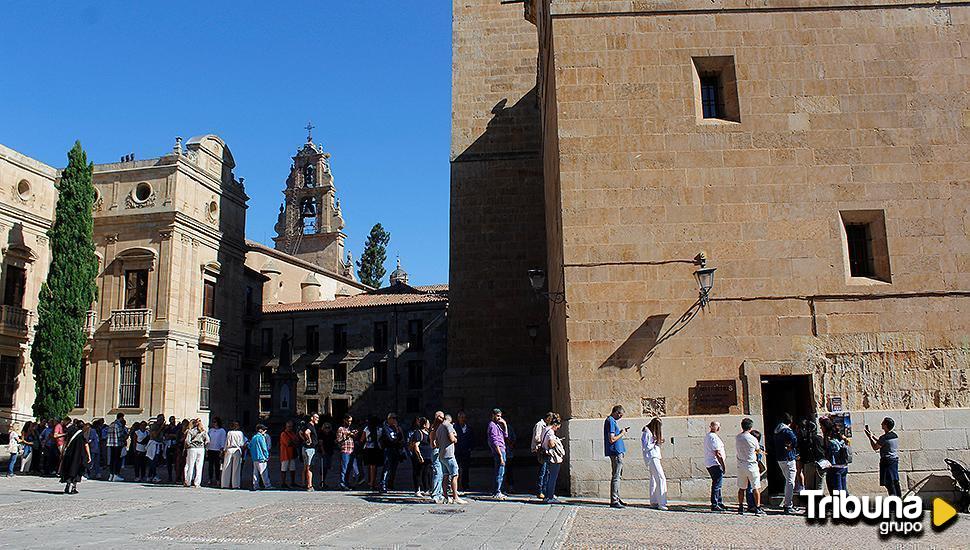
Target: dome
{"points": [[399, 275]]}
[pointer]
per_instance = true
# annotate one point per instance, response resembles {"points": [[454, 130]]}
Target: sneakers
{"points": [[119, 478], [718, 508], [439, 500], [419, 493], [459, 501], [662, 508], [617, 505], [760, 512], [541, 496], [740, 509], [499, 496], [552, 500]]}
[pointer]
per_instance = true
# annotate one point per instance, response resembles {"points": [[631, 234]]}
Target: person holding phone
{"points": [[614, 448], [888, 446]]}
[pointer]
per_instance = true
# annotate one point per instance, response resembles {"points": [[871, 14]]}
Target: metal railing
{"points": [[339, 387]]}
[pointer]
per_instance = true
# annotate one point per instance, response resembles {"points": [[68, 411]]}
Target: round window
{"points": [[142, 192], [23, 189]]}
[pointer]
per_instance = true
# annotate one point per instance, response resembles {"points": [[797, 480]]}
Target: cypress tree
{"points": [[67, 294], [370, 266]]}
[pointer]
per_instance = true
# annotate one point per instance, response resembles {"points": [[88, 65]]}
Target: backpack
{"points": [[845, 454]]}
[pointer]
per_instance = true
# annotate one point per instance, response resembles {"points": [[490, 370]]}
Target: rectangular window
{"points": [[866, 246], [208, 298], [266, 380], [15, 286], [205, 375], [312, 339], [312, 379], [79, 397], [415, 335], [415, 375], [136, 289], [9, 367], [265, 405], [312, 406], [380, 375], [129, 388], [380, 336], [340, 338], [267, 342], [716, 88], [340, 378]]}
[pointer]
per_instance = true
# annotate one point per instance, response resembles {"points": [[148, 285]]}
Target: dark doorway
{"points": [[338, 408], [780, 395]]}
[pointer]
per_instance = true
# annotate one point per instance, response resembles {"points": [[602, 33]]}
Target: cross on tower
{"points": [[309, 130]]}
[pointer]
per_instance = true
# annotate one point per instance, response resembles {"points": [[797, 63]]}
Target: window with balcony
{"points": [[380, 336], [312, 379], [312, 339], [340, 378], [415, 375], [15, 286], [9, 365], [208, 298], [136, 289], [205, 378], [129, 388], [416, 335], [380, 375], [340, 338]]}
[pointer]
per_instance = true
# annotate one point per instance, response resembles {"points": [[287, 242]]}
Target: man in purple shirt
{"points": [[497, 432]]}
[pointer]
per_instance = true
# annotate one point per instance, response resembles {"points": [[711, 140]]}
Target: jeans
{"points": [[543, 476], [392, 457], [552, 475], [260, 473], [717, 480], [214, 458], [12, 464], [499, 457], [94, 467], [616, 463], [115, 456], [835, 478], [437, 475], [346, 460], [788, 470]]}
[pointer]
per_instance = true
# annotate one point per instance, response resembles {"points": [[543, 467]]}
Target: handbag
{"points": [[823, 464]]}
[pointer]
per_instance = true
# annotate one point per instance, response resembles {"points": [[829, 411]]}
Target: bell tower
{"points": [[310, 225]]}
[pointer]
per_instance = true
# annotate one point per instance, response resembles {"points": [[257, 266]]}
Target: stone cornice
{"points": [[606, 8]]}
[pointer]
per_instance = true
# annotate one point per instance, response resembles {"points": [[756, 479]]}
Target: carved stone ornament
{"points": [[131, 202]]}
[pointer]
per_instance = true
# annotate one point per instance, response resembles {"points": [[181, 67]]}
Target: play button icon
{"points": [[943, 513]]}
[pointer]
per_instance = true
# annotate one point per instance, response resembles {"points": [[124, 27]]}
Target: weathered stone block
{"points": [[957, 418], [944, 439]]}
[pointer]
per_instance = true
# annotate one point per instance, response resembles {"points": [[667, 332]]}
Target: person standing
{"points": [[13, 447], [170, 435], [232, 457], [714, 462], [289, 444], [418, 435], [140, 438], [196, 445], [615, 449], [345, 442], [651, 440], [888, 446], [447, 437], [463, 449], [811, 451], [748, 449], [437, 473], [259, 452], [76, 457], [117, 434], [327, 444], [94, 446], [392, 443], [786, 454], [497, 433], [309, 438], [538, 433], [837, 452], [373, 456], [213, 450], [554, 453]]}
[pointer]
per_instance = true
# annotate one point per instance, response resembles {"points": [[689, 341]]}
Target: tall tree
{"points": [[370, 266], [67, 295]]}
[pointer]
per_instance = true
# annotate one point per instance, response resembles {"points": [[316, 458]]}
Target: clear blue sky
{"points": [[374, 77]]}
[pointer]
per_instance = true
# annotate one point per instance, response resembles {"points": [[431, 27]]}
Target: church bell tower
{"points": [[310, 225]]}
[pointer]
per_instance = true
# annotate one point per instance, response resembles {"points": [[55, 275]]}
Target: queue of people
{"points": [[367, 455]]}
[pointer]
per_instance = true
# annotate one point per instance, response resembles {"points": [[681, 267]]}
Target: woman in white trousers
{"points": [[232, 456], [196, 439], [651, 440]]}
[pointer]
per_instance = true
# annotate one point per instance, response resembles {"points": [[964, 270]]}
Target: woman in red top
{"points": [[289, 441]]}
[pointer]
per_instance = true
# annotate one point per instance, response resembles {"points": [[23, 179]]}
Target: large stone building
{"points": [[180, 289], [817, 155]]}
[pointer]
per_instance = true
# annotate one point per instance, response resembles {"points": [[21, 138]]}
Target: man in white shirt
{"points": [[714, 462], [538, 432], [748, 449], [213, 451]]}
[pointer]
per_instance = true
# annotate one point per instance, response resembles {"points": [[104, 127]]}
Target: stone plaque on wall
{"points": [[713, 396]]}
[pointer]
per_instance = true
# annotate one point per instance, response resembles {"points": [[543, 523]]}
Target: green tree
{"points": [[370, 266], [67, 295]]}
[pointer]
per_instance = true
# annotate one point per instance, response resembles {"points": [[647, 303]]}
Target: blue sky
{"points": [[374, 77]]}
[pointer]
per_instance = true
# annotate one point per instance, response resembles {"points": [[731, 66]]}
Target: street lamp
{"points": [[537, 279], [705, 279]]}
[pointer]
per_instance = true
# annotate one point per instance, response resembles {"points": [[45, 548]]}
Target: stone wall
{"points": [[926, 438]]}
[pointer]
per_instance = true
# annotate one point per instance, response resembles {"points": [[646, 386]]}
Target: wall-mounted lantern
{"points": [[705, 279], [537, 278]]}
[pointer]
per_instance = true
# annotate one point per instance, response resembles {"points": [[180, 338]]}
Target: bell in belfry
{"points": [[309, 208]]}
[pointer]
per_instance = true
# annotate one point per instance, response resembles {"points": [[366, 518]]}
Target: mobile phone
{"points": [[626, 429], [867, 427]]}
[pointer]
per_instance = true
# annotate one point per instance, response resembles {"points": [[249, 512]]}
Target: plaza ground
{"points": [[35, 514]]}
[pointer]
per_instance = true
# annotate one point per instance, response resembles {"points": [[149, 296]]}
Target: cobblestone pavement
{"points": [[132, 515]]}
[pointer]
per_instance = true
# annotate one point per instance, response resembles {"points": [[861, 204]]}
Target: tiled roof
{"points": [[363, 301], [442, 288]]}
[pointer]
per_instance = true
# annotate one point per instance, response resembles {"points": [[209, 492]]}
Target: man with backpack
{"points": [[786, 454], [392, 443]]}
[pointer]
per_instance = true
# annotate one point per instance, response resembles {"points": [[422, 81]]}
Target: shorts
{"points": [[749, 473], [449, 466], [308, 456], [288, 465]]}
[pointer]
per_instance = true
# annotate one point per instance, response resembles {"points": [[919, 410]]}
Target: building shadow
{"points": [[643, 342]]}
